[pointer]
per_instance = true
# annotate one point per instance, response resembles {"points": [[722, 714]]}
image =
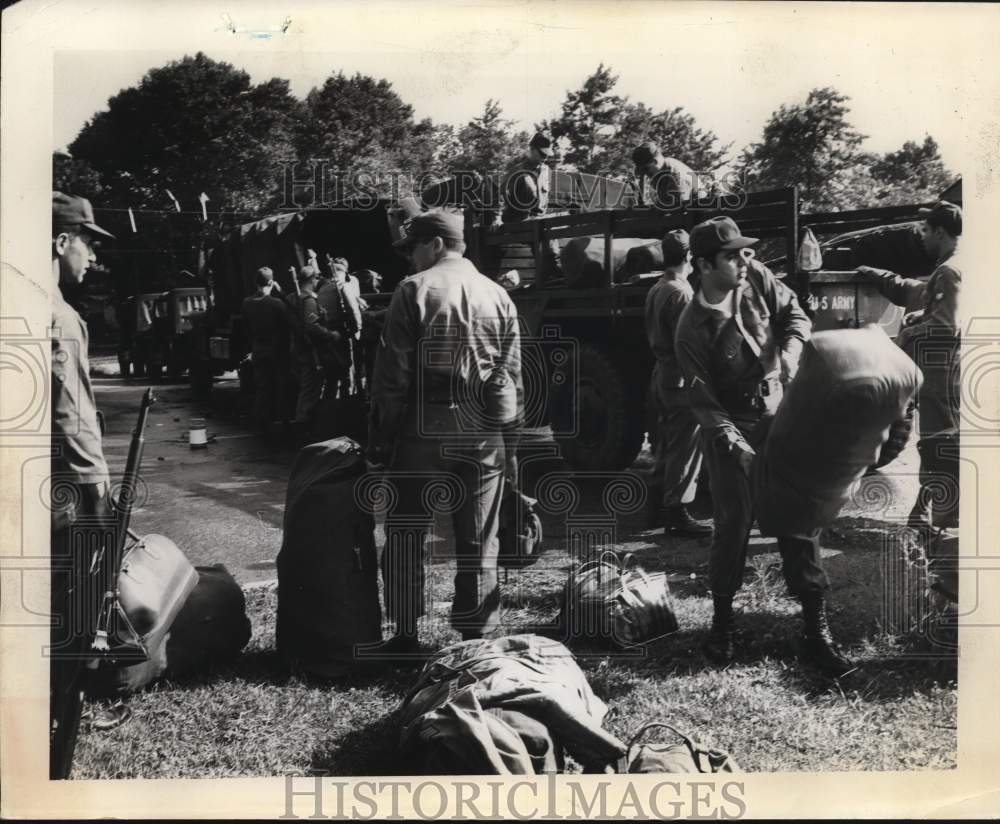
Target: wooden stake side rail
{"points": [[772, 213]]}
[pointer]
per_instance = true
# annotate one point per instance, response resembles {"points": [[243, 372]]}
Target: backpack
{"points": [[328, 599], [687, 756], [613, 599]]}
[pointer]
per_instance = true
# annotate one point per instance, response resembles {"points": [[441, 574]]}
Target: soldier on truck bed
{"points": [[738, 343], [664, 182], [526, 185]]}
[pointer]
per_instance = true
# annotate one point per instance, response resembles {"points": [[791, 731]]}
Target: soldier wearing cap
{"points": [[526, 185], [447, 407], [266, 321], [340, 299], [738, 342], [674, 478], [931, 336], [314, 344], [664, 182], [81, 511]]}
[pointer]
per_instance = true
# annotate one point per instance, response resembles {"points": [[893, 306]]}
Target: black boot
{"points": [[719, 647], [818, 643], [678, 521]]}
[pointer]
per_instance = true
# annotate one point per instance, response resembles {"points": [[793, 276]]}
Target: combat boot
{"points": [[818, 643], [720, 648], [678, 521]]}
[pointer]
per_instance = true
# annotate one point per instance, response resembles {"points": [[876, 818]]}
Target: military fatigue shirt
{"points": [[76, 434], [933, 339], [266, 321], [526, 189], [733, 366], [451, 337], [665, 302]]}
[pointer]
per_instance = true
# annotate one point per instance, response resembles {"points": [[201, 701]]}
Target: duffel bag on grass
{"points": [[689, 755], [615, 600], [852, 385], [327, 568], [509, 706], [211, 629]]}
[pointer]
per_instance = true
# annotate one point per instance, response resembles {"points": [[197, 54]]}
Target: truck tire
{"points": [[604, 431], [899, 437]]}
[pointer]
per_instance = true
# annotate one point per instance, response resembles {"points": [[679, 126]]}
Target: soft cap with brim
{"points": [[543, 143], [645, 154], [715, 235], [70, 212], [946, 215], [428, 225]]}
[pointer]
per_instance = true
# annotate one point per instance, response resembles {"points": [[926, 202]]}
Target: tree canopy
{"points": [[195, 125], [200, 125]]}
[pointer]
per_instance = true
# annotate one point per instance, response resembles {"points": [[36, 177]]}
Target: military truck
{"points": [[584, 273], [596, 401], [360, 232], [156, 332]]}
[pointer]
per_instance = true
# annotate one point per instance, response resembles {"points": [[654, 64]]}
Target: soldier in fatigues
{"points": [[447, 407], [932, 337], [266, 321], [526, 186], [82, 517], [664, 182], [674, 478], [738, 342]]}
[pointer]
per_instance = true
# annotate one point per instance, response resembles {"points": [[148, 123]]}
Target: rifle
{"points": [[109, 564]]}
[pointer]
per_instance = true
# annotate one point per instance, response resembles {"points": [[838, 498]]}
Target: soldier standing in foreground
{"points": [[738, 342], [447, 404], [82, 516]]}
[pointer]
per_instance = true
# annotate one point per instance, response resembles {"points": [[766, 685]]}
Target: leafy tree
{"points": [[600, 129], [195, 125], [811, 144], [912, 174], [74, 176], [360, 124], [487, 143], [591, 118]]}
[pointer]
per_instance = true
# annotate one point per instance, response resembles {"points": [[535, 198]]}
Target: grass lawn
{"points": [[898, 711]]}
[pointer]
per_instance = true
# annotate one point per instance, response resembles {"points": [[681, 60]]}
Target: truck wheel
{"points": [[604, 431], [899, 437]]}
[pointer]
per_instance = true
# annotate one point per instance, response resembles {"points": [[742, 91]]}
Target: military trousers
{"points": [[269, 380], [461, 480], [310, 386], [677, 458], [801, 562]]}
